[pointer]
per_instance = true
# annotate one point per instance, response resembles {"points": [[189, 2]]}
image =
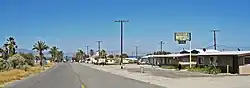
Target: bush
{"points": [[17, 61], [29, 58], [5, 65], [168, 67], [206, 69]]}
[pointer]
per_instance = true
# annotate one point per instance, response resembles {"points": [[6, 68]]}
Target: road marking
{"points": [[82, 86]]}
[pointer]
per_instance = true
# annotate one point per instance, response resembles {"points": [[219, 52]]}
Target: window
{"points": [[213, 60], [200, 60]]}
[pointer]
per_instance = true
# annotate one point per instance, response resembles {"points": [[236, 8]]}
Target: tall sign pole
{"points": [[121, 41], [182, 38]]}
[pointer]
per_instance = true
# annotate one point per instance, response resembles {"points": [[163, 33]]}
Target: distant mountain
{"points": [[25, 51]]}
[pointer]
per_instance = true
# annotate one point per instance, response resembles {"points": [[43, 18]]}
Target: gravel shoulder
{"points": [[93, 78], [180, 82]]}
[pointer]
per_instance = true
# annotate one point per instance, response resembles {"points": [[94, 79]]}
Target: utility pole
{"points": [[136, 52], [87, 50], [99, 47], [121, 41], [214, 33], [161, 43]]}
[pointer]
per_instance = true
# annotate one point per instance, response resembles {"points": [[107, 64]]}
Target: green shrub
{"points": [[168, 67], [29, 58], [5, 65], [17, 61], [206, 69]]}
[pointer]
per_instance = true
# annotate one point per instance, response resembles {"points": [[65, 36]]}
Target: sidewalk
{"points": [[193, 82]]}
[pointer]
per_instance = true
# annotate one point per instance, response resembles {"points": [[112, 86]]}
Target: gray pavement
{"points": [[63, 76], [93, 78]]}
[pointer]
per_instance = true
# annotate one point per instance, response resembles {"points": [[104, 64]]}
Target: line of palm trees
{"points": [[9, 49], [56, 54]]}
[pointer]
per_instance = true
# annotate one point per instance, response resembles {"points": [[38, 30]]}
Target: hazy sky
{"points": [[73, 24]]}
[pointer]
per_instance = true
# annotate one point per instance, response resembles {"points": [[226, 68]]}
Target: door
{"points": [[235, 65]]}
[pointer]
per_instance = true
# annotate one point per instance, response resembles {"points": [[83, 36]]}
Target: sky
{"points": [[74, 24]]}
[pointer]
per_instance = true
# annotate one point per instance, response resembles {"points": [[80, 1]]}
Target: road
{"points": [[74, 74]]}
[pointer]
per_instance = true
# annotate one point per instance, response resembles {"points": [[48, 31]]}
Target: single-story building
{"points": [[236, 60], [233, 59]]}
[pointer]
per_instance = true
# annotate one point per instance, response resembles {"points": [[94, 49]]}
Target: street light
{"points": [[121, 41]]}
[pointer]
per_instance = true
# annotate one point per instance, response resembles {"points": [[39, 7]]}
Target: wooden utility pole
{"points": [[121, 41], [214, 35]]}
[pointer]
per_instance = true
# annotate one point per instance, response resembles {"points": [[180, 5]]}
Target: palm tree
{"points": [[60, 56], [103, 54], [54, 53], [40, 46], [92, 52], [11, 45], [80, 55]]}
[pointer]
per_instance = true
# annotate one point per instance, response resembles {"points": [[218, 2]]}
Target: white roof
{"points": [[213, 52], [130, 58], [169, 55], [225, 53]]}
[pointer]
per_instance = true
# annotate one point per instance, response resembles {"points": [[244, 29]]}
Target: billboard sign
{"points": [[182, 37]]}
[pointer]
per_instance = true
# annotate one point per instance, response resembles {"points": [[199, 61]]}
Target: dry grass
{"points": [[17, 74]]}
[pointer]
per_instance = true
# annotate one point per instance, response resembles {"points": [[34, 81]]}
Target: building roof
{"points": [[225, 53], [168, 55], [240, 53]]}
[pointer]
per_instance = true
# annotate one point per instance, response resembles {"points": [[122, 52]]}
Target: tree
{"points": [[54, 53], [110, 56], [80, 54], [161, 53], [60, 56], [124, 55], [103, 54], [40, 46], [11, 45], [2, 52], [92, 52], [29, 58]]}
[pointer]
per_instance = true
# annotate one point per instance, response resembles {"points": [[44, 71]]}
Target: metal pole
{"points": [[161, 47], [87, 50], [190, 54], [136, 52], [99, 47]]}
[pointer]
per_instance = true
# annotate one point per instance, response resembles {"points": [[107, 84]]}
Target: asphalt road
{"points": [[61, 76], [73, 75]]}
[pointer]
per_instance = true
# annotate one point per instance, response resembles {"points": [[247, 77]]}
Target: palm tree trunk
{"points": [[41, 58]]}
